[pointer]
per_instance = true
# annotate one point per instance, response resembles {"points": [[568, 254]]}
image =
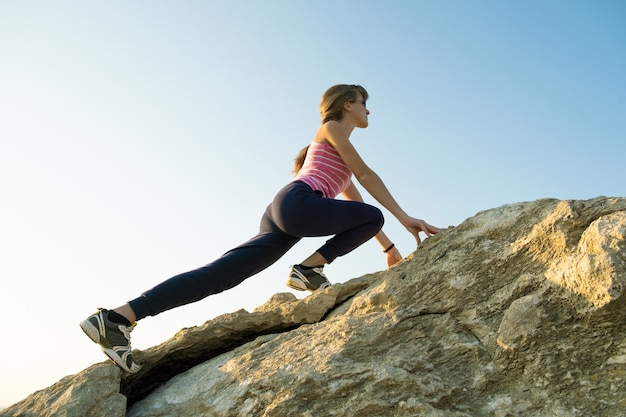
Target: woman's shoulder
{"points": [[332, 125], [330, 132]]}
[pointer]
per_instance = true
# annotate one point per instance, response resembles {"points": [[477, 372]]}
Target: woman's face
{"points": [[359, 112]]}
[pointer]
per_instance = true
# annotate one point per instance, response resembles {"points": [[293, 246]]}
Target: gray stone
{"points": [[518, 311]]}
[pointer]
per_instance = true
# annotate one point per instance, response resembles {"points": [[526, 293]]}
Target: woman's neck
{"points": [[349, 126]]}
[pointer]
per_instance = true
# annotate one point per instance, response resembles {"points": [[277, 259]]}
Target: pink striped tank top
{"points": [[324, 170]]}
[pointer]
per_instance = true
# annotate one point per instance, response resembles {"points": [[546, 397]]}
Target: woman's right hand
{"points": [[393, 256]]}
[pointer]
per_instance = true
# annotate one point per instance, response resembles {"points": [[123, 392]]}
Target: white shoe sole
{"points": [[297, 284]]}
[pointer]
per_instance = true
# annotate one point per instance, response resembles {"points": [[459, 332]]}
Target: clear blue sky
{"points": [[142, 139]]}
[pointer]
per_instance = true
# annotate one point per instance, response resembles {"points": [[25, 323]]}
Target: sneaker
{"points": [[114, 338], [302, 279]]}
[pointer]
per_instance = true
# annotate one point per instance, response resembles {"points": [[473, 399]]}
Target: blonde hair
{"points": [[331, 105], [331, 108]]}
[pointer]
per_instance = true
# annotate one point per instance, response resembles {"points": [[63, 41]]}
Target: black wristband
{"points": [[389, 248]]}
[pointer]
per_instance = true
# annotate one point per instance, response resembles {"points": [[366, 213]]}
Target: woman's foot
{"points": [[303, 278], [114, 338]]}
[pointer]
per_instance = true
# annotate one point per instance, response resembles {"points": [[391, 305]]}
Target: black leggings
{"points": [[296, 212]]}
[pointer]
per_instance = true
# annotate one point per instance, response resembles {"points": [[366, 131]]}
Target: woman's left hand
{"points": [[393, 256], [415, 226]]}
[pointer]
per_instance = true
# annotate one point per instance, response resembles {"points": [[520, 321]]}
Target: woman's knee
{"points": [[378, 218]]}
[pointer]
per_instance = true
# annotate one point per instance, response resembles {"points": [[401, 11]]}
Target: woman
{"points": [[305, 207]]}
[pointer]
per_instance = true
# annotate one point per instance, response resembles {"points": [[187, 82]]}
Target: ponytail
{"points": [[299, 160]]}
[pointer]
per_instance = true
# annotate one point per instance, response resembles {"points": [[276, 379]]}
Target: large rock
{"points": [[519, 311]]}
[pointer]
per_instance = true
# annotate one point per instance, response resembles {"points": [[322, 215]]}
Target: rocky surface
{"points": [[518, 311]]}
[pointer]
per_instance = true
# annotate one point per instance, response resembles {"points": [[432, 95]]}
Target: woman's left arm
{"points": [[389, 249]]}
